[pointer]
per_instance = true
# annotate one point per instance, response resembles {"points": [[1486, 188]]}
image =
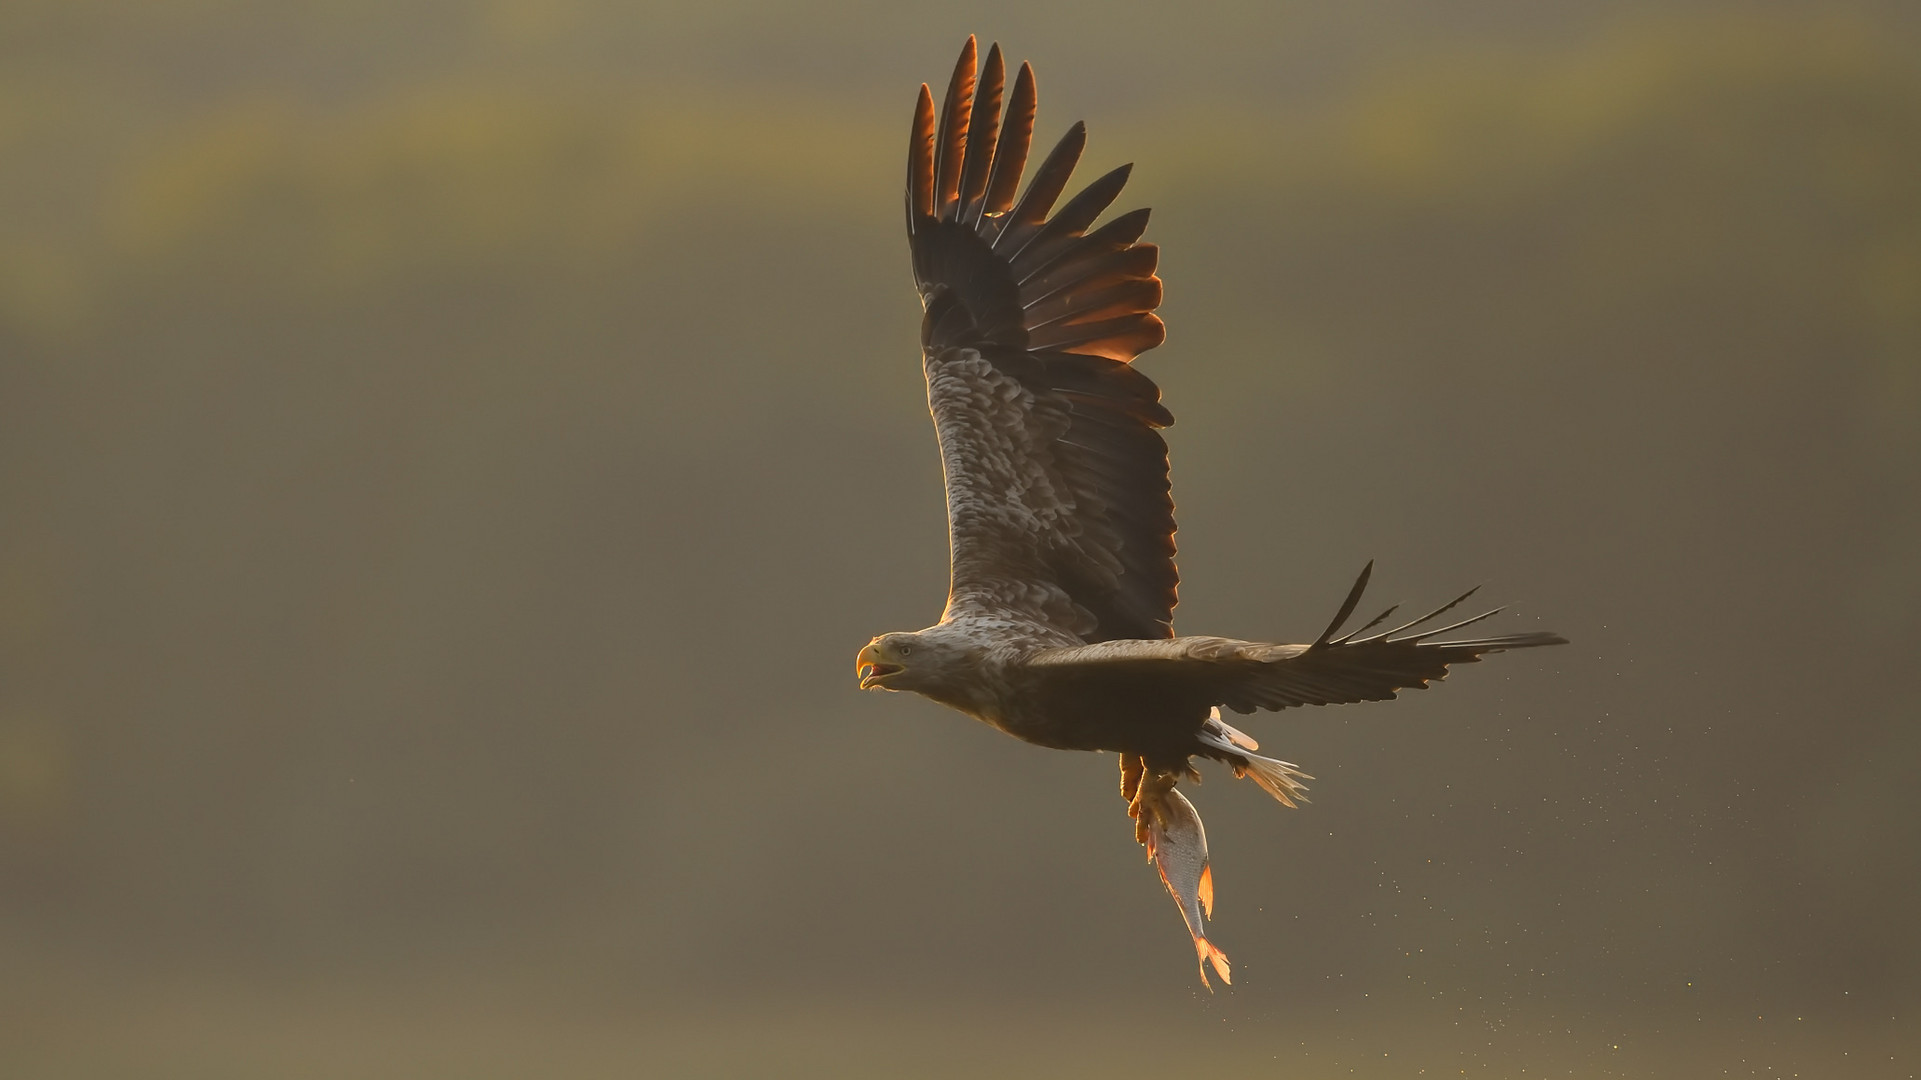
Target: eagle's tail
{"points": [[1278, 778], [1281, 779]]}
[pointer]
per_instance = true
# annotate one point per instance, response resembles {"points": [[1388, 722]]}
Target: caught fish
{"points": [[1167, 825], [1171, 830]]}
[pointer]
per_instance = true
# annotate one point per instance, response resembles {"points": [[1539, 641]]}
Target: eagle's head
{"points": [[930, 662], [887, 662]]}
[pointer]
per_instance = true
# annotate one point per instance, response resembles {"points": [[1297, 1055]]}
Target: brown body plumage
{"points": [[1059, 620]]}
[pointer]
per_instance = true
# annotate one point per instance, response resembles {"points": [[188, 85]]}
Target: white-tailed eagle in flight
{"points": [[1059, 621]]}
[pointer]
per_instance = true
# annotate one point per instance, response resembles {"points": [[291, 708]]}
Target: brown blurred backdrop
{"points": [[449, 454]]}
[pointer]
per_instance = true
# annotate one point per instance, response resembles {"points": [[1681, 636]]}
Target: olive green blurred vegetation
{"points": [[450, 453]]}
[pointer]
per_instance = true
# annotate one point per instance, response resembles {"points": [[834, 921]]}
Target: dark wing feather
{"points": [[1197, 672], [1010, 151], [952, 145], [983, 133], [1057, 483]]}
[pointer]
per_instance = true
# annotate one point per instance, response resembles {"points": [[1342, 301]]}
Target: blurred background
{"points": [[451, 452]]}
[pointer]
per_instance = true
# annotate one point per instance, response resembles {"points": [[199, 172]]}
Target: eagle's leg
{"points": [[1133, 767]]}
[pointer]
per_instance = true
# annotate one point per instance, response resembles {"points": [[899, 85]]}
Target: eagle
{"points": [[1059, 621]]}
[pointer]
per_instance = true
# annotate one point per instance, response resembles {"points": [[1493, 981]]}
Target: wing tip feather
{"points": [[1347, 606]]}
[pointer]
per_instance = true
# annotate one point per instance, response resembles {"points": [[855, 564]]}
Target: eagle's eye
{"points": [[905, 650]]}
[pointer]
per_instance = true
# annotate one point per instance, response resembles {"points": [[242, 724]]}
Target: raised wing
{"points": [[1057, 489], [1198, 672]]}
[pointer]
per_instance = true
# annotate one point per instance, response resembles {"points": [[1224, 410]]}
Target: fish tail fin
{"points": [[1208, 953]]}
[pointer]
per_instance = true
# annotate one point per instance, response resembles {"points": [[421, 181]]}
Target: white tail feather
{"points": [[1232, 734], [1278, 778], [1281, 779]]}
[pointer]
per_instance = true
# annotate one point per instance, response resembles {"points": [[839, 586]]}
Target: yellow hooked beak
{"points": [[871, 668]]}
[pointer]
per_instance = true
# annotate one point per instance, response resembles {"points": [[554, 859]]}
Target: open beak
{"points": [[871, 669]]}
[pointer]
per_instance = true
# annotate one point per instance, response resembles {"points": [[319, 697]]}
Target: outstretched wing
{"points": [[1057, 490], [1197, 672]]}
